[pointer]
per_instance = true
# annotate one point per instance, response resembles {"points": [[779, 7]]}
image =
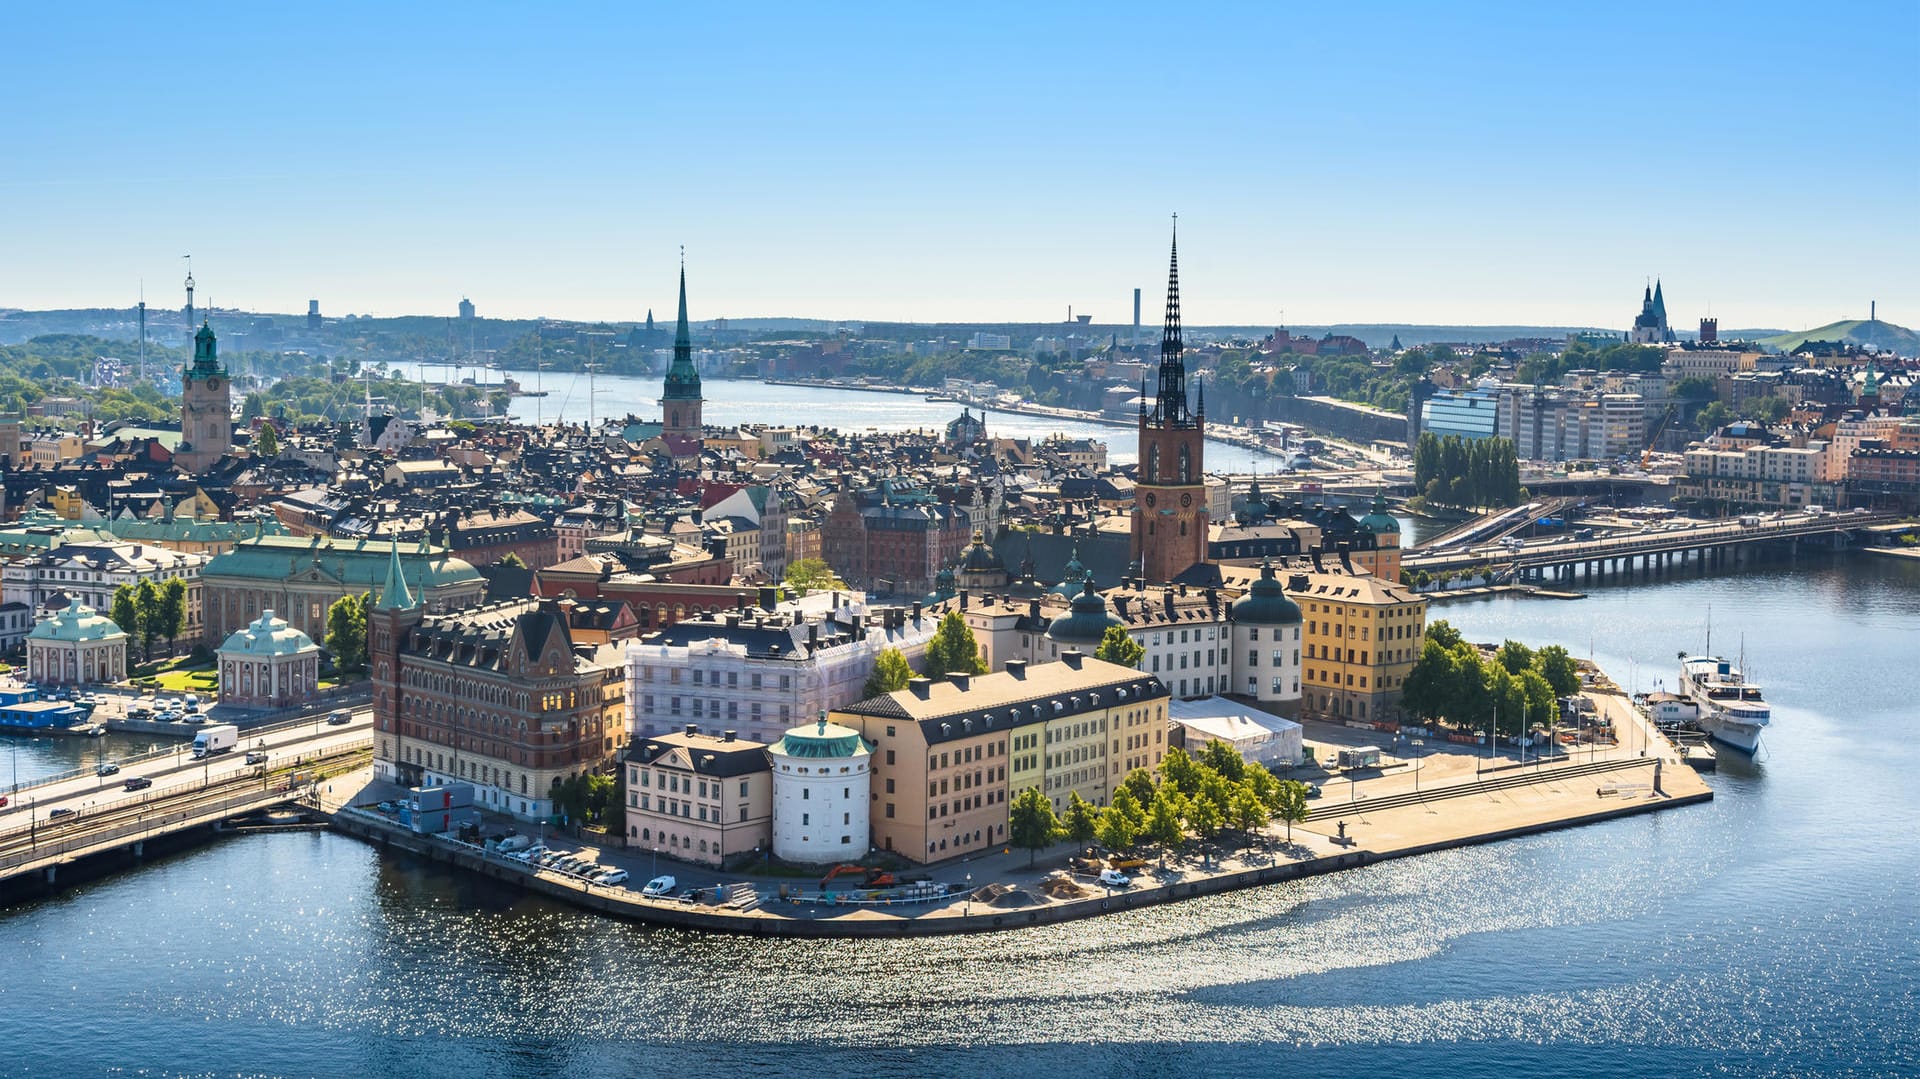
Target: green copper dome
{"points": [[1378, 521], [981, 558], [1088, 622], [1071, 577], [943, 587], [822, 741], [267, 636], [76, 622], [1266, 603]]}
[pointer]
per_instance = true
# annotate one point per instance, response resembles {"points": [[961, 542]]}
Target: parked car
{"points": [[139, 783], [107, 769], [3, 801], [613, 876], [659, 886], [1113, 878]]}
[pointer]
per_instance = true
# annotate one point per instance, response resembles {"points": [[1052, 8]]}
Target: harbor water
{"points": [[1774, 931]]}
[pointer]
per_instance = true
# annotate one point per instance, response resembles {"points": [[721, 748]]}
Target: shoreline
{"points": [[1395, 818]]}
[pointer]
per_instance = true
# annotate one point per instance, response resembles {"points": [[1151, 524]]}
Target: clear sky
{"points": [[1454, 163]]}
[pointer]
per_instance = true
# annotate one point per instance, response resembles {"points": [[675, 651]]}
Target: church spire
{"points": [[1170, 399], [683, 379], [394, 595]]}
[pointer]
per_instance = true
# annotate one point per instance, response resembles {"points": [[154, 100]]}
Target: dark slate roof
{"points": [[709, 756], [1042, 692]]}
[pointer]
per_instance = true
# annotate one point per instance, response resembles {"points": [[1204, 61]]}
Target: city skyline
{"points": [[1456, 168]]}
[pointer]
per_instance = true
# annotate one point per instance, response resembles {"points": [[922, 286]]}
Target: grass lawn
{"points": [[200, 681]]}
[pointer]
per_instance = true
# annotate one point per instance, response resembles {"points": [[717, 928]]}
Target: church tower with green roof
{"points": [[206, 406], [680, 405]]}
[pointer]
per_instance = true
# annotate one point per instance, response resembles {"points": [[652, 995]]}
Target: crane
{"points": [[1646, 456]]}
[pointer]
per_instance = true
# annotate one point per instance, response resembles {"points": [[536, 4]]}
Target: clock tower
{"points": [[1170, 494], [206, 407]]}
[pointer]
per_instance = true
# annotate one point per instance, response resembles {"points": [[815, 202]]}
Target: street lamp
{"points": [[1418, 760], [968, 910]]}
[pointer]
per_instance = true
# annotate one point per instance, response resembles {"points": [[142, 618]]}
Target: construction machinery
{"points": [[870, 878]]}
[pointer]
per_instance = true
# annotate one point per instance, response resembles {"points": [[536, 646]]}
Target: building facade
{"points": [[822, 790], [77, 646], [206, 407], [701, 798], [300, 577], [269, 664]]}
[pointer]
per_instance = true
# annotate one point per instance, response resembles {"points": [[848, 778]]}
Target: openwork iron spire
{"points": [[1170, 400]]}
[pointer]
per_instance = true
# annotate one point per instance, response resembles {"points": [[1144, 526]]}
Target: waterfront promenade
{"points": [[1424, 798]]}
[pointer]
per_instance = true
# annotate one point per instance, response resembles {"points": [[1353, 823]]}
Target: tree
{"points": [[1428, 689], [1120, 822], [812, 575], [1443, 632], [253, 408], [1204, 817], [1248, 812], [953, 649], [146, 601], [1140, 786], [599, 796], [1118, 646], [1082, 822], [171, 610], [347, 631], [1164, 825], [1557, 668], [890, 672], [1292, 804], [267, 443], [1181, 773], [513, 559], [1515, 657], [125, 612], [1538, 695], [1031, 822], [1224, 759]]}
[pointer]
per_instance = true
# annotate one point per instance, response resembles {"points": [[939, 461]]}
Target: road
{"points": [[283, 746]]}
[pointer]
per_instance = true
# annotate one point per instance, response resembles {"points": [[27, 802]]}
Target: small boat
{"points": [[96, 731]]}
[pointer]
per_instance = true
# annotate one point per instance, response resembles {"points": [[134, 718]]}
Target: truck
{"points": [[218, 738], [1750, 521]]}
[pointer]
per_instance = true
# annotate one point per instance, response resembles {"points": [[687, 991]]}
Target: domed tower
{"points": [[1085, 625], [821, 786], [1266, 643], [1071, 578], [681, 403], [206, 406], [1384, 560], [981, 569], [943, 587], [1027, 585], [1170, 492]]}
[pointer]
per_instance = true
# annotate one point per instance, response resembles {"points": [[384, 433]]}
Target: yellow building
{"points": [[948, 757], [1363, 635]]}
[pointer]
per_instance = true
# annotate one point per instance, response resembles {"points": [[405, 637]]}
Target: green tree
{"points": [[1442, 631], [1556, 666], [513, 559], [890, 672], [1118, 646], [1291, 805], [1031, 822], [125, 611], [1429, 687], [347, 631], [172, 611], [1140, 786], [1204, 817], [1164, 825], [267, 443], [1248, 812], [1515, 657], [1082, 819], [599, 796], [1182, 774], [146, 603], [253, 408], [953, 649], [1224, 759], [1120, 822], [812, 575], [1537, 694]]}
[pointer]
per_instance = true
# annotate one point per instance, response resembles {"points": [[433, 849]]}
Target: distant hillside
{"points": [[1877, 333]]}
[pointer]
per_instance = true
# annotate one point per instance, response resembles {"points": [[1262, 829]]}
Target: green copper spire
{"points": [[206, 354], [683, 381], [394, 595]]}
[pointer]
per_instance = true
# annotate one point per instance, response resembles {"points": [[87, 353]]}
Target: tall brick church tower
{"points": [[1170, 496], [206, 406]]}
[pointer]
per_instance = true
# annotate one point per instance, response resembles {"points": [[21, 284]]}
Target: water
{"points": [[34, 758], [1772, 932], [853, 411]]}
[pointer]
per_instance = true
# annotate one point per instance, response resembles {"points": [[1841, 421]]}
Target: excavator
{"points": [[874, 878]]}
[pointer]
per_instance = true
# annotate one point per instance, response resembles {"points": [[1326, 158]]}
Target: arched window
{"points": [[1153, 463], [1186, 465]]}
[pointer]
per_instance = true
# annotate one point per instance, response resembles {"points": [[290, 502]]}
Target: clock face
{"points": [[1151, 499], [213, 384], [1186, 499]]}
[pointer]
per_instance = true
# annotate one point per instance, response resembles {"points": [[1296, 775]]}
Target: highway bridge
{"points": [[62, 821], [1658, 548]]}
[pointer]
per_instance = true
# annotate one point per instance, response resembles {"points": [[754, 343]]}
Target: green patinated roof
{"points": [[191, 529], [78, 622], [267, 636], [361, 564], [821, 741], [1379, 521], [1266, 603], [1089, 621], [683, 379]]}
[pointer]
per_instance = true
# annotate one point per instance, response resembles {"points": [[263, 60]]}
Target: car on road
{"points": [[107, 769], [612, 876], [139, 713], [258, 756], [139, 783], [3, 801], [63, 811], [340, 718], [659, 886], [1113, 878]]}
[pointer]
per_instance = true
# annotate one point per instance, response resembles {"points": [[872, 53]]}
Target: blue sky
{"points": [[1459, 163]]}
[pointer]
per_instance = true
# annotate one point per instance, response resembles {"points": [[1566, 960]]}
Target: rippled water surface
{"points": [[1769, 933]]}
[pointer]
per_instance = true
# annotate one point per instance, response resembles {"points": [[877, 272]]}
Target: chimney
{"points": [[740, 602], [1297, 583], [1033, 608], [730, 736], [1017, 668], [769, 599], [961, 680], [1315, 555], [963, 599], [916, 610], [920, 687], [1346, 556], [1072, 657], [693, 729]]}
